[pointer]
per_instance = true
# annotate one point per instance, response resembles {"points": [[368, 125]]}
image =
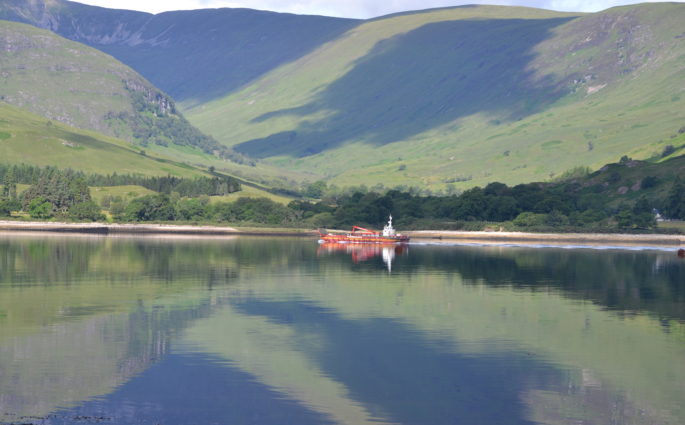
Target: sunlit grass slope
{"points": [[26, 138], [467, 96], [83, 87]]}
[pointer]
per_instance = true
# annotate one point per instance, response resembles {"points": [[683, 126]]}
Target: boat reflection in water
{"points": [[364, 252]]}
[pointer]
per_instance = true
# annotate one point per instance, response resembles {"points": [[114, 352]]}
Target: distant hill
{"points": [[80, 86], [469, 95], [194, 55], [27, 138]]}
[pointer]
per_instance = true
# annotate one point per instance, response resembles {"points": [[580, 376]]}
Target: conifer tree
{"points": [[9, 188], [675, 203]]}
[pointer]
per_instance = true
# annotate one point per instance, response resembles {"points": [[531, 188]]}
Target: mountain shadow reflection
{"points": [[404, 378]]}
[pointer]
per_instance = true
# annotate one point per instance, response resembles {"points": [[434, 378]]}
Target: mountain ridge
{"points": [[452, 96], [194, 55], [578, 89]]}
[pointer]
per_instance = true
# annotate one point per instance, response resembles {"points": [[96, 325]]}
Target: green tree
{"points": [[9, 188], [643, 214], [529, 219], [86, 211], [316, 190], [192, 208], [150, 208], [11, 205], [675, 202], [624, 217], [40, 208], [5, 210], [61, 188]]}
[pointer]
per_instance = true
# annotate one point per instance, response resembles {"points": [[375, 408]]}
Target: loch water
{"points": [[180, 331]]}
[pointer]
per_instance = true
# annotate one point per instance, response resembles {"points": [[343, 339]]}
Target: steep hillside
{"points": [[192, 55], [467, 95], [26, 138], [83, 87]]}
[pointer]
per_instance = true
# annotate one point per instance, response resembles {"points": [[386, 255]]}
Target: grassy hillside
{"points": [[83, 87], [193, 55], [31, 139], [629, 180], [467, 95]]}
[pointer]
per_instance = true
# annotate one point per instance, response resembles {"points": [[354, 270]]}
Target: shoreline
{"points": [[144, 229], [437, 236], [614, 239]]}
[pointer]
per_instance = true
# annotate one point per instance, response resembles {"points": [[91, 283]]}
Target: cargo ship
{"points": [[362, 235]]}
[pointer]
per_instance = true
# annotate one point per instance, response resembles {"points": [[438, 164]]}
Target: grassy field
{"points": [[674, 224], [127, 192], [465, 96], [31, 139], [252, 192]]}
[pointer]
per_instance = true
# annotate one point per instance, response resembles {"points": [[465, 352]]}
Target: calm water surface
{"points": [[285, 331]]}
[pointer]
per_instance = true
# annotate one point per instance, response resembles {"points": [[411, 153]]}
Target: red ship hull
{"points": [[361, 238], [362, 235]]}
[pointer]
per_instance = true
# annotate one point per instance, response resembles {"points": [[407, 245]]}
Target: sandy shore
{"points": [[612, 239], [142, 229]]}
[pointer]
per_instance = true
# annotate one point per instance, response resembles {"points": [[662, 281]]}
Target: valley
{"points": [[429, 102]]}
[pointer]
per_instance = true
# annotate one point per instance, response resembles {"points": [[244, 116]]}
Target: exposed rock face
{"points": [[77, 21]]}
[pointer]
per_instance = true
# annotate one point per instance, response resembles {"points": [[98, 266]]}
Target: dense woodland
{"points": [[535, 206]]}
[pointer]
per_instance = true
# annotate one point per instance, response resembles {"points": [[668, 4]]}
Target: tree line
{"points": [[189, 187], [532, 206]]}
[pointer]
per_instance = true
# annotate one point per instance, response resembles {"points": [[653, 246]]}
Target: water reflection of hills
{"points": [[621, 280], [81, 316], [88, 314], [74, 361], [617, 279]]}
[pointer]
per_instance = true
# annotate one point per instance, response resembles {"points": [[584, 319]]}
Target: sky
{"points": [[349, 8]]}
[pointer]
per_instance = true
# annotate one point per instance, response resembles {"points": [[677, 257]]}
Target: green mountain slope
{"points": [[27, 138], [193, 55], [467, 95], [83, 87]]}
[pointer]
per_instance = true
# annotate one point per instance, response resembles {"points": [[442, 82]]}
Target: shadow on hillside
{"points": [[207, 54], [421, 80]]}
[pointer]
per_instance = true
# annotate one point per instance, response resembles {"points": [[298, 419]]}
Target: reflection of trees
{"points": [[44, 261], [620, 280]]}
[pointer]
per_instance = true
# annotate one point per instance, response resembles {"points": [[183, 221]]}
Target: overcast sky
{"points": [[349, 8]]}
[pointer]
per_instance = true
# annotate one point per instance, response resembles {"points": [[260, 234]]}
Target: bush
{"points": [[150, 208], [86, 211], [322, 219], [530, 219], [192, 208], [6, 207], [556, 219], [40, 208], [649, 182], [255, 210], [5, 210]]}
